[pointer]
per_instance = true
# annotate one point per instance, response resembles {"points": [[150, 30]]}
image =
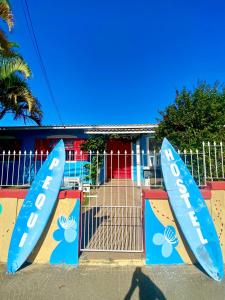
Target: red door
{"points": [[119, 165]]}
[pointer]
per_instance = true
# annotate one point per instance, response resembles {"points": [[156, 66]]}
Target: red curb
{"points": [[216, 185], [148, 193], [21, 193], [162, 195]]}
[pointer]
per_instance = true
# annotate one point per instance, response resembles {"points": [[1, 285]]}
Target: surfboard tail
{"points": [[12, 267]]}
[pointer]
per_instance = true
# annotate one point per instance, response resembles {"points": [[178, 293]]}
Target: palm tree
{"points": [[15, 95], [16, 98]]}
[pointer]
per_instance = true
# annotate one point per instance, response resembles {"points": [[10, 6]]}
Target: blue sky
{"points": [[118, 61]]}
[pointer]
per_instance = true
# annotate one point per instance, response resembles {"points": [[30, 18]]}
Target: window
{"points": [[77, 151], [73, 151], [153, 157], [10, 145]]}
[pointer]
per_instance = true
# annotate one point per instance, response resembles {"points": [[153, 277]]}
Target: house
{"points": [[116, 184], [127, 151]]}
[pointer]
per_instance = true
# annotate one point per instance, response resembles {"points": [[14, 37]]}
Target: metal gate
{"points": [[112, 216]]}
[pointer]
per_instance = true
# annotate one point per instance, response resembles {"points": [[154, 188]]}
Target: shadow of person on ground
{"points": [[147, 289], [90, 223]]}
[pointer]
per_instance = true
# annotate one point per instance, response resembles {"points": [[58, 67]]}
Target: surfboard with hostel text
{"points": [[191, 212], [36, 209]]}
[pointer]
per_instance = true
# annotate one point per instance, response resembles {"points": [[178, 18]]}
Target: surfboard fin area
{"points": [[191, 212]]}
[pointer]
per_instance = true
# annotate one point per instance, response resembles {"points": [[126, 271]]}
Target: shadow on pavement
{"points": [[147, 288], [90, 224]]}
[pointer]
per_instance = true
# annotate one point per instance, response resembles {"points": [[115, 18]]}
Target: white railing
{"points": [[83, 170], [205, 164]]}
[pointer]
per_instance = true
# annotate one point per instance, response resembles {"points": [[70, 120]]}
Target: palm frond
{"points": [[6, 46], [6, 13], [10, 65], [13, 89], [21, 112]]}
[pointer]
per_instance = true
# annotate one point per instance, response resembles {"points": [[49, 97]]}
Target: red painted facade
{"points": [[73, 150], [119, 165]]}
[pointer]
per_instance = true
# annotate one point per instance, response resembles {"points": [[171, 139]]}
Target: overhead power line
{"points": [[31, 31]]}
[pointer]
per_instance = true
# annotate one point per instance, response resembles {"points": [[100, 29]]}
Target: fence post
{"points": [[105, 166], [7, 170], [221, 149], [204, 163], [215, 159], [138, 162], [18, 171], [3, 160], [210, 161], [192, 168], [97, 168], [198, 169]]}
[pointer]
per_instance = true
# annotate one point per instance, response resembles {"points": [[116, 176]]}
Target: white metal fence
{"points": [[205, 164]]}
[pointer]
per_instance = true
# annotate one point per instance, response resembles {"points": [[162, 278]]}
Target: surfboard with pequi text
{"points": [[37, 208]]}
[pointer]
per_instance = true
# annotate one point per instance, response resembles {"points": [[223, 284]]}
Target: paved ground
{"points": [[109, 282]]}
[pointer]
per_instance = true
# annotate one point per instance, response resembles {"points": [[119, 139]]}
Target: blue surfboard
{"points": [[36, 209], [191, 212]]}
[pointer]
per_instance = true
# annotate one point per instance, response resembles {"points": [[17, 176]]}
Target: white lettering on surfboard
{"points": [[175, 170], [39, 203], [184, 195], [23, 239], [169, 154], [32, 220], [55, 163], [46, 183]]}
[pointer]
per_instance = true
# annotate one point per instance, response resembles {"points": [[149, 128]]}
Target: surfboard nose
{"points": [[60, 146], [165, 142], [60, 143]]}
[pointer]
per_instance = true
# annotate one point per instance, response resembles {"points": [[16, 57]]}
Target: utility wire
{"points": [[31, 31]]}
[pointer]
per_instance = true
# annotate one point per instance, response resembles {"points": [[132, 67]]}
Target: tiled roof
{"points": [[92, 129]]}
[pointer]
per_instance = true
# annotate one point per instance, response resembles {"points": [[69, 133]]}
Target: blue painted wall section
{"points": [[26, 167], [160, 241], [67, 234], [77, 169], [144, 157]]}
